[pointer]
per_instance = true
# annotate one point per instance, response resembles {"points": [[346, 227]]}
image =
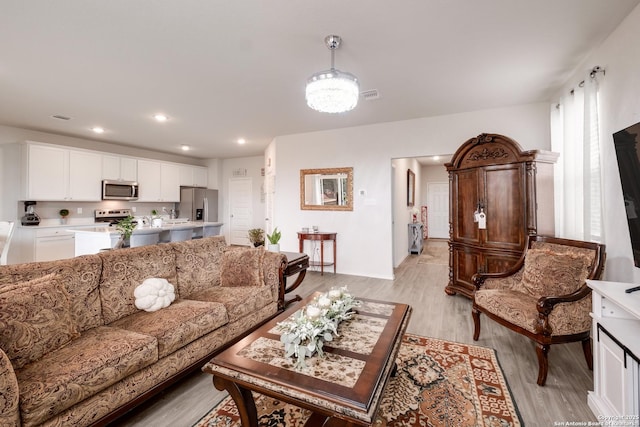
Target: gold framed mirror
{"points": [[329, 189]]}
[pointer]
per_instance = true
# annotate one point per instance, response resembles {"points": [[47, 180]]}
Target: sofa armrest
{"points": [[9, 393], [254, 267], [274, 265]]}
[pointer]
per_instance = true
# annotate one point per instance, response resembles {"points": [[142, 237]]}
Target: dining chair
{"points": [[6, 232]]}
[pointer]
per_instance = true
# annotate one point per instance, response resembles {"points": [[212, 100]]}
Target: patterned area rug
{"points": [[434, 252], [439, 383]]}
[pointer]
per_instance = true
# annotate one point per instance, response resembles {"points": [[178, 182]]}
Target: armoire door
{"points": [[464, 202], [466, 263], [505, 204]]}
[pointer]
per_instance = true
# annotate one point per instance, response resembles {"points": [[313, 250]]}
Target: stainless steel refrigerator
{"points": [[198, 204]]}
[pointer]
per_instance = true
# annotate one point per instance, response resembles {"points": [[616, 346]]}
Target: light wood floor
{"points": [[435, 314]]}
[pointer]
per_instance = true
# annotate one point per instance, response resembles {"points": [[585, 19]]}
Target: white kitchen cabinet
{"points": [[186, 175], [616, 352], [85, 176], [46, 172], [149, 181], [169, 182], [158, 181], [55, 173], [200, 176], [44, 243], [193, 176], [54, 243], [119, 168]]}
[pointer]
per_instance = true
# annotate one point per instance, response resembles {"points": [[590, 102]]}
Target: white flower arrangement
{"points": [[304, 333]]}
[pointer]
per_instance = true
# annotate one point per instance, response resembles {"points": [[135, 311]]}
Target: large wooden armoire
{"points": [[491, 175]]}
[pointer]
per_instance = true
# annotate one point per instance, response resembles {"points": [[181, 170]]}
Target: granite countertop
{"points": [[76, 224], [145, 229]]}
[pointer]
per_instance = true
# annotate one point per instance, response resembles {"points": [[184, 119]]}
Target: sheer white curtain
{"points": [[575, 135]]}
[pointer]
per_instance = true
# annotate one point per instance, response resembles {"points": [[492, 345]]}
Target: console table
{"points": [[415, 238], [321, 236], [616, 352]]}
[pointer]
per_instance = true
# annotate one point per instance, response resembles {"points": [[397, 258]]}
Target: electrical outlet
{"points": [[133, 209], [79, 210]]}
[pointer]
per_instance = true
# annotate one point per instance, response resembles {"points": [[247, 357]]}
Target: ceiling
{"points": [[223, 70]]}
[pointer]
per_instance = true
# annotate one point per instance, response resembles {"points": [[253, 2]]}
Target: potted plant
{"points": [[256, 236], [125, 227], [156, 219], [274, 240], [64, 213]]}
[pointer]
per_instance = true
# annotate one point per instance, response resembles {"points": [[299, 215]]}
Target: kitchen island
{"points": [[91, 240]]}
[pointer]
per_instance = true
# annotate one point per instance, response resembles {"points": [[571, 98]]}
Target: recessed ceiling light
{"points": [[241, 141], [160, 118], [185, 147], [97, 129]]}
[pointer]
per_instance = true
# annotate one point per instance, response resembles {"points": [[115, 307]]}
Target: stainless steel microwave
{"points": [[119, 190]]}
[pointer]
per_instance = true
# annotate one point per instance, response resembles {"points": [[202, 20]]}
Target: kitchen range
{"points": [[112, 216]]}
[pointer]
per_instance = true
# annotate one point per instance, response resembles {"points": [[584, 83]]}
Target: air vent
{"points": [[57, 116], [370, 95]]}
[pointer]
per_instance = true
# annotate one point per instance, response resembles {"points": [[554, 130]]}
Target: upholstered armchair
{"points": [[544, 296]]}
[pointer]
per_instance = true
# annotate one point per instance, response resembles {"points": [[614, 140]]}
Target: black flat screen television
{"points": [[626, 143]]}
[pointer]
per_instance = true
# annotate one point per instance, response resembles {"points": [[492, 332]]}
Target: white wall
{"points": [[401, 213], [365, 235], [434, 173], [619, 108]]}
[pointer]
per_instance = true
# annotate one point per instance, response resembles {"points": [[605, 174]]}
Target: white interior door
{"points": [[240, 210], [269, 195], [438, 209]]}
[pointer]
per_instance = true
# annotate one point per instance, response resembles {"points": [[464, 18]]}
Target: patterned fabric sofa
{"points": [[75, 350]]}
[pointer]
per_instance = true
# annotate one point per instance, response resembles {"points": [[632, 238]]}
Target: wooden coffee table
{"points": [[342, 388]]}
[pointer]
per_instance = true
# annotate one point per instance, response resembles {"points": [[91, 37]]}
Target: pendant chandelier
{"points": [[332, 91]]}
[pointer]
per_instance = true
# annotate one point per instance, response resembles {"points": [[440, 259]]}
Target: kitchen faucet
{"points": [[171, 213]]}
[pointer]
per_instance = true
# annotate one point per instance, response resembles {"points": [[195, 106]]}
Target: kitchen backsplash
{"points": [[49, 210]]}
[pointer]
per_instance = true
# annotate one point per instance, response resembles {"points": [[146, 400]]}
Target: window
{"points": [[575, 135]]}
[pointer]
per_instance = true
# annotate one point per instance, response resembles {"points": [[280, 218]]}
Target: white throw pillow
{"points": [[154, 294]]}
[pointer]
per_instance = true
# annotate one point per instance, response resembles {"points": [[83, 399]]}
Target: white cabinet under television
{"points": [[616, 352]]}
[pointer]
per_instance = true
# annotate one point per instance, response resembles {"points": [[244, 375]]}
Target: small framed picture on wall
{"points": [[411, 188]]}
